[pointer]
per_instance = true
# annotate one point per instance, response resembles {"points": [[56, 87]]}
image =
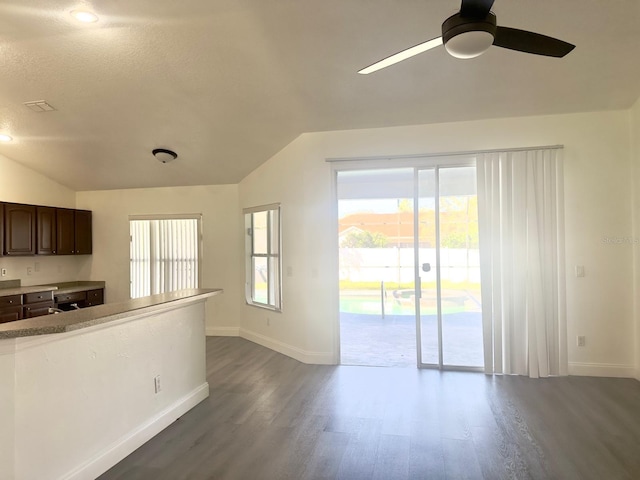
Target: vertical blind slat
{"points": [[163, 255]]}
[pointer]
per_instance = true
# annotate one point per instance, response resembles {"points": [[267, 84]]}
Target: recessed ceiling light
{"points": [[5, 138], [84, 16]]}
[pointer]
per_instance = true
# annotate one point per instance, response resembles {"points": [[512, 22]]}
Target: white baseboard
{"points": [[223, 331], [128, 443], [602, 370], [304, 356]]}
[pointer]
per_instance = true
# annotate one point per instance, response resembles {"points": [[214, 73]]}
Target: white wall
{"points": [[222, 249], [22, 185], [7, 407], [85, 399], [598, 204], [634, 115]]}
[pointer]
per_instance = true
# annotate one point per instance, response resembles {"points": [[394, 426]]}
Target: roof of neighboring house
{"points": [[391, 225]]}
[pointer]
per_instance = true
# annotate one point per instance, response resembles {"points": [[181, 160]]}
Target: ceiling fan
{"points": [[471, 32]]}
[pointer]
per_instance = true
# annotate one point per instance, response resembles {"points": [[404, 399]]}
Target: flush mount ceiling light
{"points": [[163, 155], [5, 138], [84, 16], [464, 38]]}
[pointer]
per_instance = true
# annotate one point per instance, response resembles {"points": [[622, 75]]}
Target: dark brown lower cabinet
{"points": [[85, 298], [94, 297], [37, 309], [37, 304], [10, 308], [10, 314], [29, 305]]}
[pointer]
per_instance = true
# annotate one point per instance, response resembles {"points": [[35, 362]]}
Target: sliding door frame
{"points": [[417, 163]]}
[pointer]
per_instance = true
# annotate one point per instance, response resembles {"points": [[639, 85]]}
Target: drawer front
{"points": [[10, 301], [70, 297], [95, 297], [37, 309], [10, 314], [38, 297]]}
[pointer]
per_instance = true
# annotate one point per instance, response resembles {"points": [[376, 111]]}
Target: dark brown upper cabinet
{"points": [[19, 229], [40, 230], [65, 231], [1, 229], [83, 237], [73, 232], [47, 228]]}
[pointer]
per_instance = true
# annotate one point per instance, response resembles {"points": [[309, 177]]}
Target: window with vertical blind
{"points": [[263, 278], [164, 254]]}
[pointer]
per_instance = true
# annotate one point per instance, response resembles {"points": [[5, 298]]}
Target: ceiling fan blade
{"points": [[530, 42], [476, 8], [403, 55]]}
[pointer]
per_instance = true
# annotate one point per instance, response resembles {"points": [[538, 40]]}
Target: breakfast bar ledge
{"points": [[81, 390]]}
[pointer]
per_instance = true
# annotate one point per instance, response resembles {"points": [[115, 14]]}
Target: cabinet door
{"points": [[1, 229], [46, 230], [68, 298], [19, 229], [65, 231], [94, 297], [83, 238], [37, 309], [11, 314]]}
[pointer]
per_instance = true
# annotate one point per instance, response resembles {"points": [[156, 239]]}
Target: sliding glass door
{"points": [[448, 268], [410, 278]]}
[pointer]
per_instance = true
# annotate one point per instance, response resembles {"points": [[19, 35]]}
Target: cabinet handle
{"points": [[10, 301]]}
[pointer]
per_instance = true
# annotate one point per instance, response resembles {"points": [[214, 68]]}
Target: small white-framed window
{"points": [[263, 257], [164, 253]]}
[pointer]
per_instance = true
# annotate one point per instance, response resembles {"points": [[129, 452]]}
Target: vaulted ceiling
{"points": [[228, 83]]}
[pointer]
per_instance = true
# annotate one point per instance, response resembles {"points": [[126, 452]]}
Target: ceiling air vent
{"points": [[39, 106]]}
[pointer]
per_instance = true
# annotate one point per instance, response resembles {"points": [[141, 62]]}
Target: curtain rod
{"points": [[443, 154]]}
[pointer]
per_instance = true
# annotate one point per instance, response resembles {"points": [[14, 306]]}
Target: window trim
{"points": [[250, 257]]}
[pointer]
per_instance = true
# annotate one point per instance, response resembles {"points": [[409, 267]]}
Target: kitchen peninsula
{"points": [[80, 390]]}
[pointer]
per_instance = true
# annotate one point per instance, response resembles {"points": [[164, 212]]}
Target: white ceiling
{"points": [[228, 83]]}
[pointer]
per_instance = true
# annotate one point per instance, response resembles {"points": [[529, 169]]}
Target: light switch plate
{"points": [[579, 270]]}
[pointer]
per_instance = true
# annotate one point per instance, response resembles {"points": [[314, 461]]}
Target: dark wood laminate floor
{"points": [[271, 417]]}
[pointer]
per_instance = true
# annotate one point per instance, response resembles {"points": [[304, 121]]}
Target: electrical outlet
{"points": [[4, 272], [156, 383], [581, 340], [268, 322], [29, 270]]}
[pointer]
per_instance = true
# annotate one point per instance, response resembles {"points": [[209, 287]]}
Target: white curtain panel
{"points": [[521, 223]]}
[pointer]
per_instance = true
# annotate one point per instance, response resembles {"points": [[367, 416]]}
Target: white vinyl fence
{"points": [[396, 264]]}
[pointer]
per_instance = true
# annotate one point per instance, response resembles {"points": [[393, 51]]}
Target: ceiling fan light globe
{"points": [[469, 44]]}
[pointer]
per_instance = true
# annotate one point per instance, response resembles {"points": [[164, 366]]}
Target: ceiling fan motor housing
{"points": [[468, 37]]}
